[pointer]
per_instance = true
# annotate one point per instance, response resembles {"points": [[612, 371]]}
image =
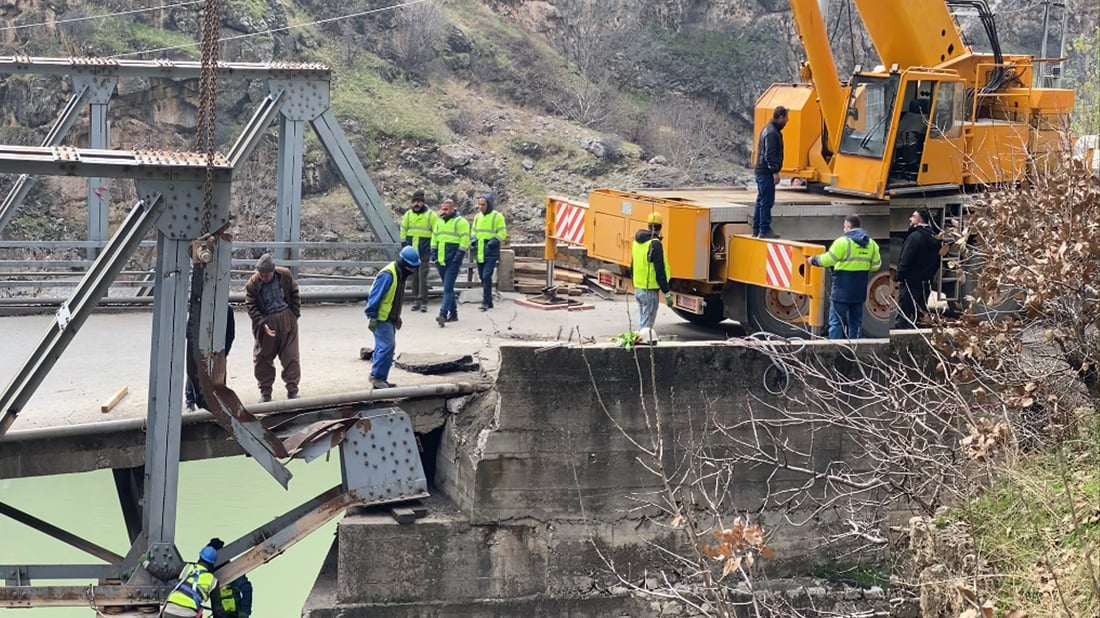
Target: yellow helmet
{"points": [[654, 218]]}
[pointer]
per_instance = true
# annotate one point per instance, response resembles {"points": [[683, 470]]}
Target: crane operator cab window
{"points": [[925, 117], [912, 131], [870, 111]]}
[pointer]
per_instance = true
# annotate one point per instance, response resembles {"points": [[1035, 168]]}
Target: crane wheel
{"points": [[879, 311], [771, 311]]}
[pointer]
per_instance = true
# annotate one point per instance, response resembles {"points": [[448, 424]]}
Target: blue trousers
{"points": [[648, 302], [385, 340], [449, 274], [845, 320], [485, 271], [765, 199]]}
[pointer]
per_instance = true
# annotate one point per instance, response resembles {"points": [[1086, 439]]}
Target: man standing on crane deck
{"points": [[769, 160], [853, 257], [649, 266]]}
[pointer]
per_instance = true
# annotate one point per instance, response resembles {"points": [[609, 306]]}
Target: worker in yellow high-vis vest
{"points": [[416, 232], [489, 231], [649, 266], [450, 240], [196, 582], [384, 312]]}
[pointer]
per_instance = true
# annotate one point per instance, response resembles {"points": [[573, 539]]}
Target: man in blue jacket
{"points": [[769, 160], [387, 293], [853, 257]]}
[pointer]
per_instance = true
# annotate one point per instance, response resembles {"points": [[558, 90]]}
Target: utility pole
{"points": [[1047, 76]]}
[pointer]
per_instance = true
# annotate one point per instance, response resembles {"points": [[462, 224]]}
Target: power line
{"points": [[274, 30], [104, 16]]}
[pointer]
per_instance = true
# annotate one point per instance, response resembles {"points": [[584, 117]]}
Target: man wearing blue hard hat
{"points": [[196, 582], [384, 311]]}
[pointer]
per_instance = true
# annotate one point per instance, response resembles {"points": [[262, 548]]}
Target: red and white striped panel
{"points": [[569, 223], [780, 265]]}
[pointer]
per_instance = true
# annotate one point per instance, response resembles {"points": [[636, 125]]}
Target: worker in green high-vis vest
{"points": [[450, 240], [489, 231], [649, 266]]}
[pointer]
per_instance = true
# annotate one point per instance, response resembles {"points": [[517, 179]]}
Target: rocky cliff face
{"points": [[547, 96]]}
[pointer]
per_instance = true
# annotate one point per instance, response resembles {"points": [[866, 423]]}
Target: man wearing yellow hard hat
{"points": [[649, 265]]}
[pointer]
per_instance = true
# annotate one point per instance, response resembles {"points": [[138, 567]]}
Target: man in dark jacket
{"points": [[852, 257], [919, 263], [274, 305], [769, 160]]}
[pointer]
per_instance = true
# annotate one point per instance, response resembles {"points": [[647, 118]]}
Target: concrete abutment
{"points": [[536, 506]]}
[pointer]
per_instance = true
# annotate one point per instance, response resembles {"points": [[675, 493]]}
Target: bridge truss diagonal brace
{"points": [[61, 127], [75, 311], [363, 191], [60, 534]]}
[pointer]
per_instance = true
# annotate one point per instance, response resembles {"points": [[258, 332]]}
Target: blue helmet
{"points": [[208, 555], [410, 256]]}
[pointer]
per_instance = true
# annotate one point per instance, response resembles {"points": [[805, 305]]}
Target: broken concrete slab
{"points": [[434, 364]]}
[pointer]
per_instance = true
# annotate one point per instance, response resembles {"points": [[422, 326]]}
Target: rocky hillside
{"points": [[519, 97]]}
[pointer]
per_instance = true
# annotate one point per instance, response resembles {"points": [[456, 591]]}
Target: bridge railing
{"points": [[31, 269]]}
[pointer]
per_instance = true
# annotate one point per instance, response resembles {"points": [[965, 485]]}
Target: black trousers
{"points": [[912, 303]]}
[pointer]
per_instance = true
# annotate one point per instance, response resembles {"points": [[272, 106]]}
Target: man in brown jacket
{"points": [[271, 296]]}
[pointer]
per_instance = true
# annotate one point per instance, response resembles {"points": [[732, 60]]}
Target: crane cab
{"points": [[903, 133]]}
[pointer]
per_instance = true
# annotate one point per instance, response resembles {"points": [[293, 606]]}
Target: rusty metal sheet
{"points": [[317, 438], [224, 404]]}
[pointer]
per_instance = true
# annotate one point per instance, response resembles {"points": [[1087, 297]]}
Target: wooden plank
{"points": [[569, 276], [113, 401]]}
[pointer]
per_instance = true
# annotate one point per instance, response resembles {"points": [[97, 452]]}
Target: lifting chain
{"points": [[208, 96]]}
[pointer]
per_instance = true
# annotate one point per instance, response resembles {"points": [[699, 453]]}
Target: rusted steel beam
{"points": [[81, 596]]}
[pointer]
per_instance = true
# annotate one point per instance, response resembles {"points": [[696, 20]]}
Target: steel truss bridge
{"points": [[190, 290]]}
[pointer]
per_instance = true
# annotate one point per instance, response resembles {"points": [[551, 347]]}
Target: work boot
{"points": [[769, 233], [293, 395], [424, 308], [379, 383], [483, 308], [265, 397], [453, 317], [416, 307], [442, 321]]}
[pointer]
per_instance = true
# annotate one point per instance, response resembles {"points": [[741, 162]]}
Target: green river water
{"points": [[218, 497]]}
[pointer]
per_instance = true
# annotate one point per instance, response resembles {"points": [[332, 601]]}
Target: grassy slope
{"points": [[1036, 525]]}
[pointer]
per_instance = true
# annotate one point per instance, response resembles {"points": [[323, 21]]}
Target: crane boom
{"points": [[815, 39], [917, 33]]}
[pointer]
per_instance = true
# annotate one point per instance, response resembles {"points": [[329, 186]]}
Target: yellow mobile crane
{"points": [[932, 123]]}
